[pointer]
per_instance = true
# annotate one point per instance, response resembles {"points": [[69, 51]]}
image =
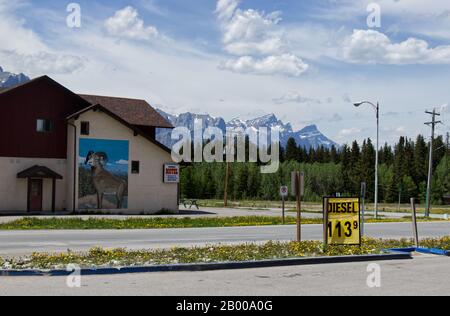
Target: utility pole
{"points": [[430, 163]]}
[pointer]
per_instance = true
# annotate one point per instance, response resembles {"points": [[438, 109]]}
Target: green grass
{"points": [[67, 223], [317, 206], [98, 257]]}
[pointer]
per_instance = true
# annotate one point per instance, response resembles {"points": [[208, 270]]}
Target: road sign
{"points": [[342, 224], [284, 191]]}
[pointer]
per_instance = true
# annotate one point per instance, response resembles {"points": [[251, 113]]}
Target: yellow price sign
{"points": [[342, 224]]}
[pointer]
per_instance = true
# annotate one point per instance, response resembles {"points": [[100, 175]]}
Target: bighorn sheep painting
{"points": [[103, 174]]}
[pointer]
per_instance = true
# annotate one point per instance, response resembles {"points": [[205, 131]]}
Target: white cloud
{"points": [[336, 118], [226, 8], [13, 34], [445, 108], [373, 47], [122, 162], [152, 7], [258, 41], [285, 64], [126, 23], [295, 97], [252, 32], [349, 131], [43, 62]]}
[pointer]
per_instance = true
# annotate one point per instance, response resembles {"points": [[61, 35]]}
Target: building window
{"points": [[135, 166], [84, 128], [44, 126]]}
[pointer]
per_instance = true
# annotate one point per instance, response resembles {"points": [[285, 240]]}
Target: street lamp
{"points": [[377, 110]]}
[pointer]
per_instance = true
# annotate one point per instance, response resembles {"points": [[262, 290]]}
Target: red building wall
{"points": [[20, 109]]}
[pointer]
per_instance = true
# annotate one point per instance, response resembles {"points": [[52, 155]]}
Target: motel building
{"points": [[65, 152]]}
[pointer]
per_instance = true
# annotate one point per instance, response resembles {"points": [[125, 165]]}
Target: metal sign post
{"points": [[284, 192], [363, 206], [414, 220]]}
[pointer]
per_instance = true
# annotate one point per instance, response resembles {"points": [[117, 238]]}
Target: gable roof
{"points": [[133, 111], [39, 172], [134, 128], [4, 91]]}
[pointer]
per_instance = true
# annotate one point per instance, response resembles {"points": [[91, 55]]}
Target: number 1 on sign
{"points": [[347, 229]]}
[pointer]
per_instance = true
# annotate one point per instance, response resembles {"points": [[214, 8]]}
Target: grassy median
{"points": [[66, 223], [218, 253]]}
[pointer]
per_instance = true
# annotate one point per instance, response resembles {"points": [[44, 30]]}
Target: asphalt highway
{"points": [[26, 242]]}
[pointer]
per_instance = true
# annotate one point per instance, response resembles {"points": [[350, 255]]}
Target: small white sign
{"points": [[284, 191], [171, 173]]}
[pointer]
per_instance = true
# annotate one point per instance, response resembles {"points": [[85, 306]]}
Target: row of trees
{"points": [[403, 172]]}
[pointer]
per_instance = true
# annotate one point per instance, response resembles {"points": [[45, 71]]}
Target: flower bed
{"points": [[98, 257]]}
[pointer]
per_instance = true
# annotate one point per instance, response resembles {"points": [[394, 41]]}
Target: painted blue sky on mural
{"points": [[117, 151]]}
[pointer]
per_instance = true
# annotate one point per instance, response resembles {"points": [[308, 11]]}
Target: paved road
{"points": [[208, 212], [26, 242], [421, 276]]}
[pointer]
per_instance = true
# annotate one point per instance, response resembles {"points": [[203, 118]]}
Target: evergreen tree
{"points": [[420, 160], [291, 150]]}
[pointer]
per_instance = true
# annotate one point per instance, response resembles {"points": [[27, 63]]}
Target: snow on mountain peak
{"points": [[308, 137], [8, 79]]}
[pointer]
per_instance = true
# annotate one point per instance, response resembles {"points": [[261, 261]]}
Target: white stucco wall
{"points": [[146, 191], [13, 191]]}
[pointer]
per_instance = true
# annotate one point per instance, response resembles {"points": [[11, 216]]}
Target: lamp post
{"points": [[377, 110]]}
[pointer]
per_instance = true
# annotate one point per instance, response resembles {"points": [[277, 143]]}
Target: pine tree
{"points": [[367, 170], [420, 160], [291, 150]]}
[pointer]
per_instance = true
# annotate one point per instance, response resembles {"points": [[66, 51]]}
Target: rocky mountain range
{"points": [[307, 137], [8, 79]]}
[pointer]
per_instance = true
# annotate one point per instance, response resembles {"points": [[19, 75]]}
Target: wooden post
{"points": [[28, 195], [298, 182], [53, 195], [414, 220], [325, 223]]}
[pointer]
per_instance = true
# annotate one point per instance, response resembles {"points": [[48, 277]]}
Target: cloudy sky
{"points": [[304, 61]]}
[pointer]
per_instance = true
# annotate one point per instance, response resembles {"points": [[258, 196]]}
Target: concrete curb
{"points": [[211, 266], [429, 251]]}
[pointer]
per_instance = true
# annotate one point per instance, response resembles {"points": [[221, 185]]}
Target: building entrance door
{"points": [[35, 195]]}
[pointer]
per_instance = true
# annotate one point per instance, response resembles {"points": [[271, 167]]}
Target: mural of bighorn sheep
{"points": [[104, 181]]}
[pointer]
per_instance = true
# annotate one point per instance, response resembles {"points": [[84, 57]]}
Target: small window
{"points": [[44, 126], [135, 166], [84, 128]]}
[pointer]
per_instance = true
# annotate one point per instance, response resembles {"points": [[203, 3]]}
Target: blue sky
{"points": [[304, 61]]}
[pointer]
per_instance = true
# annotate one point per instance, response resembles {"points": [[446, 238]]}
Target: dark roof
{"points": [[134, 111], [136, 129], [39, 172], [4, 91]]}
